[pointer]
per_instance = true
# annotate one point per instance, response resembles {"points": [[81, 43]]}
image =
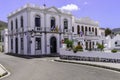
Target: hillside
{"points": [[3, 25]]}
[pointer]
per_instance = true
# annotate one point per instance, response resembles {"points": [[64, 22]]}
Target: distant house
{"points": [[3, 25], [88, 33], [4, 36], [113, 41]]}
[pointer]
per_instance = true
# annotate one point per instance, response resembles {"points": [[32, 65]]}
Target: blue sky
{"points": [[106, 12]]}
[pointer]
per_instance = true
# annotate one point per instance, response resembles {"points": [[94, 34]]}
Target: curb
{"points": [[89, 64], [5, 74]]}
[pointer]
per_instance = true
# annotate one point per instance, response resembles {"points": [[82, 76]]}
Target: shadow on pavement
{"points": [[31, 56]]}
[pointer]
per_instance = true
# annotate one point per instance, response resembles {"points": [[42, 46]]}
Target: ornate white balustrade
{"points": [[76, 36]]}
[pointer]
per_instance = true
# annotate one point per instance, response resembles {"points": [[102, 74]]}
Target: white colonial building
{"points": [[88, 33], [35, 30]]}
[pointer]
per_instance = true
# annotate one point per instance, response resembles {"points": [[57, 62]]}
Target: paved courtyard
{"points": [[47, 69]]}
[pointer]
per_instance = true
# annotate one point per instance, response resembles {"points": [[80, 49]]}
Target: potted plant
{"points": [[74, 50], [114, 51]]}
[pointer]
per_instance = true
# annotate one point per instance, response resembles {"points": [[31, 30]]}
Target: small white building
{"points": [[35, 30], [4, 37], [113, 42], [88, 33]]}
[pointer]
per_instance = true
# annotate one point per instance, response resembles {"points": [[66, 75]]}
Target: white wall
{"points": [[92, 54]]}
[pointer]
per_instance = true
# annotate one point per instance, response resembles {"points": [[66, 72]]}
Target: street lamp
{"points": [[32, 32]]}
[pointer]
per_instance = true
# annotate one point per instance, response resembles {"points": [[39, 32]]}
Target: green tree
{"points": [[100, 46], [107, 31], [69, 43]]}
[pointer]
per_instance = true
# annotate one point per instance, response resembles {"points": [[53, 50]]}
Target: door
{"points": [[53, 45], [16, 45]]}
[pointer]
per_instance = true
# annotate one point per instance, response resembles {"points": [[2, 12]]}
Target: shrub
{"points": [[79, 48], [114, 51], [100, 46], [69, 43]]}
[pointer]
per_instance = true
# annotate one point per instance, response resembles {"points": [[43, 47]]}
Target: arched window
{"points": [[96, 31], [65, 24], [89, 28], [11, 25], [37, 21], [92, 29], [86, 30], [78, 29], [52, 22], [16, 23], [72, 28], [21, 20], [82, 28]]}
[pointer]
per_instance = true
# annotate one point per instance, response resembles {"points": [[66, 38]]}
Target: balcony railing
{"points": [[76, 36], [42, 29], [48, 29]]}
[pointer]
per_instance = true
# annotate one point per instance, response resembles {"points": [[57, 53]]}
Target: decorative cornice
{"points": [[37, 7], [86, 21]]}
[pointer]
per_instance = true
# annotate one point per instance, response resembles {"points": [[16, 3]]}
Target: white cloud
{"points": [[85, 3], [70, 7]]}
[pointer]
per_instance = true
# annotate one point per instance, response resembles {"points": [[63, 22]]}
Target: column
{"points": [[83, 45]]}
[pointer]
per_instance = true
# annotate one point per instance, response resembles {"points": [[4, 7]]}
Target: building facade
{"points": [[35, 30], [112, 42], [88, 33]]}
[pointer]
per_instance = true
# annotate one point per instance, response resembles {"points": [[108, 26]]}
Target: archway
{"points": [[53, 45]]}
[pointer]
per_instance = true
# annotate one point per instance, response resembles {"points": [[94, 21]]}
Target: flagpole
{"points": [[44, 3]]}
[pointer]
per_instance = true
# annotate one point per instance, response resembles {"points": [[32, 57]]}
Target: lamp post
{"points": [[32, 32]]}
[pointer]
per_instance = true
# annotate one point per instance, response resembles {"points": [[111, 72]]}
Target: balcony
{"points": [[76, 36], [50, 30], [92, 37]]}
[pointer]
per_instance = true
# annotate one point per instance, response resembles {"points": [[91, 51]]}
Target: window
{"points": [[52, 22], [92, 29], [65, 24], [78, 29], [11, 25], [38, 44], [22, 44], [85, 30], [16, 23], [117, 43], [82, 28], [22, 22], [37, 21], [73, 29], [78, 43], [89, 29], [11, 43], [96, 31]]}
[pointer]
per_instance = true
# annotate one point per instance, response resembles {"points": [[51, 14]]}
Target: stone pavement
{"points": [[111, 66]]}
